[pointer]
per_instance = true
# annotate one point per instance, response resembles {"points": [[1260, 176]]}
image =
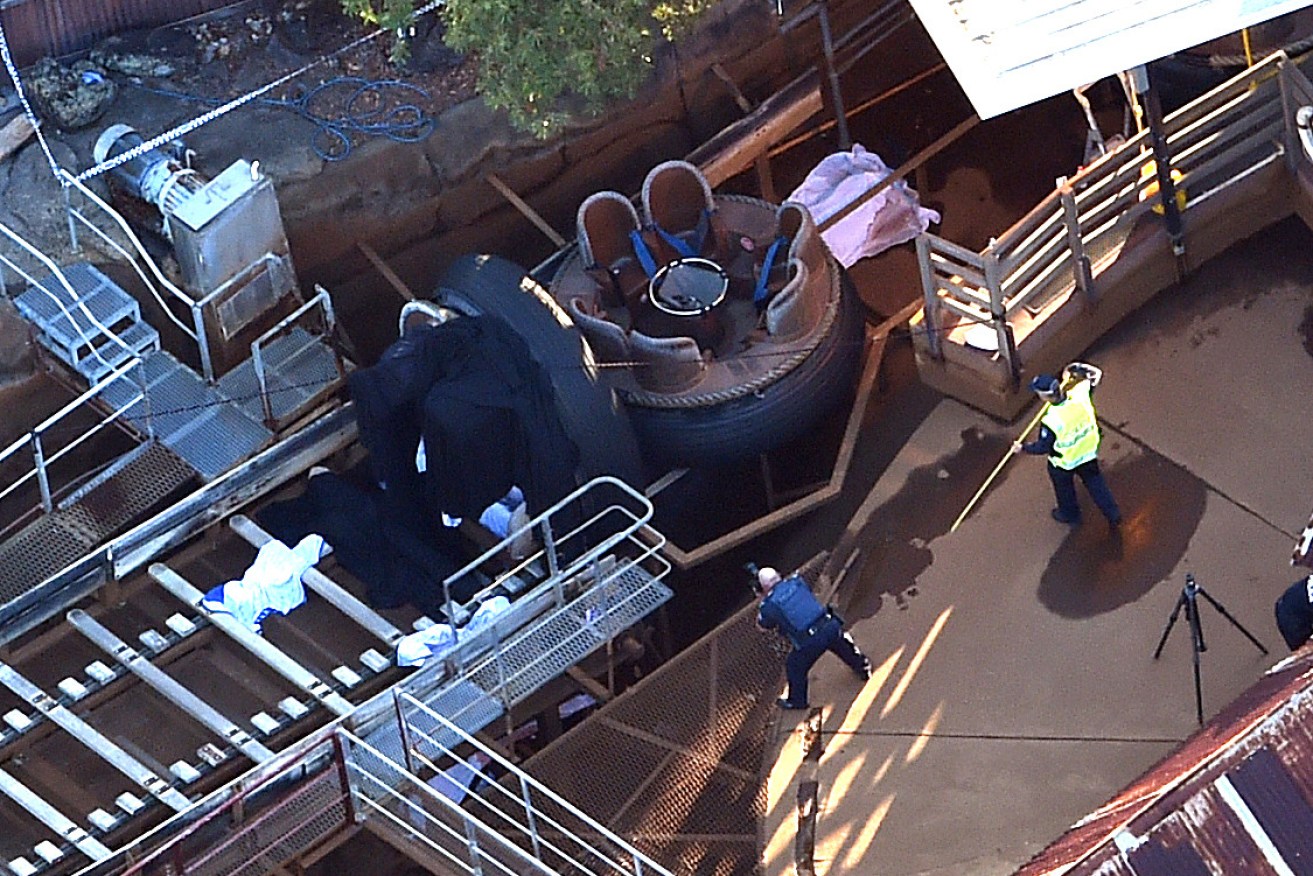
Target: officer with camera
{"points": [[789, 607]]}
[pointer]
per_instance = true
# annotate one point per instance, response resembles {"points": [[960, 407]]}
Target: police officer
{"points": [[787, 605], [1294, 612], [1069, 437]]}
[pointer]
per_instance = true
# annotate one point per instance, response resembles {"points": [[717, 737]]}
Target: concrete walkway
{"points": [[1015, 690]]}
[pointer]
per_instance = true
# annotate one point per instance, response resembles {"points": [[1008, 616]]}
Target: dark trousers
{"points": [[1064, 488], [830, 637], [1295, 614]]}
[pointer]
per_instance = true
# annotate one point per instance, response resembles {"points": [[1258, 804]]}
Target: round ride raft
{"points": [[722, 321]]}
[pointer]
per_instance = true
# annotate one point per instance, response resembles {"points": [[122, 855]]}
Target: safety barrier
{"points": [[129, 248], [407, 762], [1059, 249], [43, 458]]}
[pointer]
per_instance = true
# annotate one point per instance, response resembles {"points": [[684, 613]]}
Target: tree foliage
{"points": [[540, 59], [393, 15]]}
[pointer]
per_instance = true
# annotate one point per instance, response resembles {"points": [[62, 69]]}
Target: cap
{"points": [[767, 577], [1044, 384]]}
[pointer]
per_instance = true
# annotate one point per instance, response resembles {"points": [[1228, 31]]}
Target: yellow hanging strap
{"points": [[1249, 51]]}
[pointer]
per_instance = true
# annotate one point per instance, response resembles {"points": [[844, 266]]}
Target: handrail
{"points": [[58, 274], [1215, 140], [69, 180], [553, 542], [320, 299], [33, 438], [528, 781]]}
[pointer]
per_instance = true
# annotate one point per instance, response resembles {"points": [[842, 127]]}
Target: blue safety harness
{"points": [[759, 293]]}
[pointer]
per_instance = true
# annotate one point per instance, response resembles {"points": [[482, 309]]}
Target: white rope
{"points": [[27, 107], [231, 105]]}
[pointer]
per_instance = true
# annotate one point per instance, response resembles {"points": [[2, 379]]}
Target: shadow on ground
{"points": [[1094, 571]]}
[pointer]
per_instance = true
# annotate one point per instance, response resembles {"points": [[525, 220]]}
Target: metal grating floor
{"points": [[461, 702], [200, 425], [64, 536], [298, 366], [693, 736], [101, 296], [563, 638], [67, 325], [42, 548]]}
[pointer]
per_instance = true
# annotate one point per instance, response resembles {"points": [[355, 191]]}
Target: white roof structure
{"points": [[1010, 53]]}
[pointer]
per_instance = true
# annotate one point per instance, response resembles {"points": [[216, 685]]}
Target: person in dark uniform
{"points": [[1294, 612], [1069, 437], [789, 607]]}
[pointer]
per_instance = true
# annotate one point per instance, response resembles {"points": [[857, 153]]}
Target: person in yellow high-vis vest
{"points": [[1069, 437]]}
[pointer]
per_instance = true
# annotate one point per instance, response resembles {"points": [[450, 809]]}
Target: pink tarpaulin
{"points": [[893, 216]]}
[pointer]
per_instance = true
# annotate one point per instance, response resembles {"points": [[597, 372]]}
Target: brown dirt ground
{"points": [[224, 54]]}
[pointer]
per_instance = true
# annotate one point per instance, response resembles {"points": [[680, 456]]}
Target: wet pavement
{"points": [[1016, 688]]}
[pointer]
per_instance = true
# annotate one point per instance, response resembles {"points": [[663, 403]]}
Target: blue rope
{"points": [[332, 141]]}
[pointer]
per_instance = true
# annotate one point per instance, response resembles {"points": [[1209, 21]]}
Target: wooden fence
{"points": [[1060, 245], [37, 28]]}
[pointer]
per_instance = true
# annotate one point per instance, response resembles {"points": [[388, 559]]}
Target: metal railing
{"points": [[387, 762], [570, 549], [320, 308], [133, 253], [513, 826], [1216, 142], [43, 459]]}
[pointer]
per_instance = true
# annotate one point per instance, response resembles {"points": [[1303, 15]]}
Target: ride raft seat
{"points": [[608, 341], [795, 239], [794, 310], [680, 212], [667, 364], [604, 226]]}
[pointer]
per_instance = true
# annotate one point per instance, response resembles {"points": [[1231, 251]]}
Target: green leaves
{"points": [[541, 60], [393, 15]]}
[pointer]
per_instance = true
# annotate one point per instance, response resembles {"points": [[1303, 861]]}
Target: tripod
{"points": [[1189, 602]]}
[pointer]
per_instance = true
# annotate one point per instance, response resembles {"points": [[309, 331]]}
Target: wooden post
{"points": [[386, 271], [998, 311], [931, 292], [738, 146], [528, 212], [1080, 261], [765, 181], [14, 135]]}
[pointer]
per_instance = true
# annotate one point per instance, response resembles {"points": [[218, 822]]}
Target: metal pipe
{"points": [[827, 42], [42, 478]]}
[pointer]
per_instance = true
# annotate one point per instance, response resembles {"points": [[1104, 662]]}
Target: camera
{"points": [[752, 569]]}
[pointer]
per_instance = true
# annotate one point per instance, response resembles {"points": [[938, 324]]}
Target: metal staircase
{"points": [[86, 320], [189, 429], [93, 326]]}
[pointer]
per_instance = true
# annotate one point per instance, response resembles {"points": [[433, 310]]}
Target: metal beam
{"points": [[168, 686], [52, 817], [326, 587], [93, 739], [276, 659]]}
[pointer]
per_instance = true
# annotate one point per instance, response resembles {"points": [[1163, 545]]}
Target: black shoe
{"points": [[1063, 518], [865, 672], [1115, 525], [789, 705]]}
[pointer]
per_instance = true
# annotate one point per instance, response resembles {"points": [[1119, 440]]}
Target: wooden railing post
{"points": [[930, 290], [1293, 147], [998, 311], [1081, 272]]}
